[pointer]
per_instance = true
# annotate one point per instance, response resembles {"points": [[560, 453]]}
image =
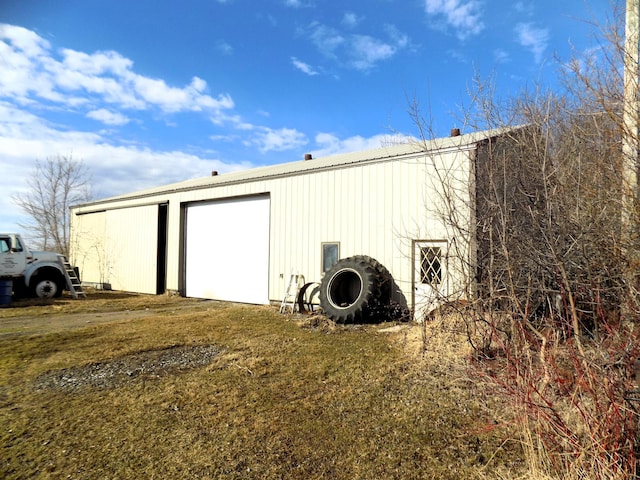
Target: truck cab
{"points": [[33, 273], [13, 258]]}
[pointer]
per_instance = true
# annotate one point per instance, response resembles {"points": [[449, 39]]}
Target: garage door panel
{"points": [[132, 248], [89, 246], [227, 250]]}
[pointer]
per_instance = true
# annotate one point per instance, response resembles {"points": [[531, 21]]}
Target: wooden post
{"points": [[630, 148], [630, 108]]}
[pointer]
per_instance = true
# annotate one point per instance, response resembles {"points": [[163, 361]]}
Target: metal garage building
{"points": [[239, 236]]}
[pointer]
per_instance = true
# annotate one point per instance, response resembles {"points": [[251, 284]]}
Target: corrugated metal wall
{"points": [[118, 248], [132, 235], [88, 240], [375, 209]]}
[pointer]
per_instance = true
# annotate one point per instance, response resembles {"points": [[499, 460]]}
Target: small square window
{"points": [[330, 255]]}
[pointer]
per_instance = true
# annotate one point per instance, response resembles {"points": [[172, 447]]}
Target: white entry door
{"points": [[430, 276]]}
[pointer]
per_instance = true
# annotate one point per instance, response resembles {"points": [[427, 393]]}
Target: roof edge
{"points": [[343, 160]]}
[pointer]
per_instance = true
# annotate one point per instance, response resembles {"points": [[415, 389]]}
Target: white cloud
{"points": [[523, 8], [107, 117], [303, 67], [361, 52], [351, 20], [41, 88], [329, 144], [224, 47], [223, 138], [32, 71], [18, 63], [326, 39], [296, 3], [277, 140], [500, 55], [367, 51], [116, 169], [464, 16], [26, 41], [172, 99], [98, 63], [534, 39], [399, 39]]}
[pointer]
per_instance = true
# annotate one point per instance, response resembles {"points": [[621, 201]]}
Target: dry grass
{"points": [[100, 301], [286, 397]]}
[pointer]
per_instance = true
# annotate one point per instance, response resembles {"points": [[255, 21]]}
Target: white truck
{"points": [[40, 274]]}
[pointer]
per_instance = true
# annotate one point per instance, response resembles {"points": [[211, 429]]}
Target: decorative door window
{"points": [[431, 265]]}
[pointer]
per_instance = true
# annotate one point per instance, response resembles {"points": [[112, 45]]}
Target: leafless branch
{"points": [[54, 185]]}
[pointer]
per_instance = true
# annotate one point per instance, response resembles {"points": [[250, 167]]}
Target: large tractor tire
{"points": [[355, 289]]}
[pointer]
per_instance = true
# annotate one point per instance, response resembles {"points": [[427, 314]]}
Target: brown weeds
{"points": [[571, 399], [278, 401]]}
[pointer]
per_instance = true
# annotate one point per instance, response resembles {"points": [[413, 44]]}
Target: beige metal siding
{"points": [[132, 235], [375, 208], [88, 238], [118, 248]]}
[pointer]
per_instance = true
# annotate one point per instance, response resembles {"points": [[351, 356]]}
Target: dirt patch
{"points": [[128, 369], [38, 325], [37, 317]]}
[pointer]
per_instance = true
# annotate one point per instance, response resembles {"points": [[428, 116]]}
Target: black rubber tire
{"points": [[386, 282], [354, 289], [305, 300]]}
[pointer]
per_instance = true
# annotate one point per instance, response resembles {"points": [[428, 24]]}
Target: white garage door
{"points": [[227, 250]]}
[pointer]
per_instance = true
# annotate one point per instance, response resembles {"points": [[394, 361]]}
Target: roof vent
{"points": [[308, 156], [214, 173], [455, 132]]}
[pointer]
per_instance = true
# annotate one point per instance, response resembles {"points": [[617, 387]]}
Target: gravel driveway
{"points": [[119, 371]]}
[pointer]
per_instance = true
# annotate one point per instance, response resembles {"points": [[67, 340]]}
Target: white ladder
{"points": [[291, 296], [73, 282]]}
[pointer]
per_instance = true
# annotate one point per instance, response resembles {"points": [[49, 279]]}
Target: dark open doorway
{"points": [[161, 263]]}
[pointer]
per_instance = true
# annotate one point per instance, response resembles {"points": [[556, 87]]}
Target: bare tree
{"points": [[556, 308], [54, 185]]}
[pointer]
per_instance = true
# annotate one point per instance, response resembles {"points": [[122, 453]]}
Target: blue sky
{"points": [[148, 92]]}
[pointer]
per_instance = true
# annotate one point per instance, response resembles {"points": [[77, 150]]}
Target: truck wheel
{"points": [[353, 289], [46, 287]]}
